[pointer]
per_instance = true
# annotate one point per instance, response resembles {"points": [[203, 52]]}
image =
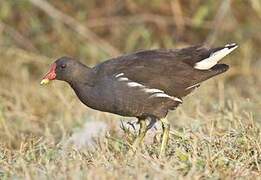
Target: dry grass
{"points": [[216, 130]]}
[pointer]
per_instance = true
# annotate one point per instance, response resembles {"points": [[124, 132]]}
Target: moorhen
{"points": [[145, 84]]}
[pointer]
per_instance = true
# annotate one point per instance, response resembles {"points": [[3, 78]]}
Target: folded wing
{"points": [[176, 72]]}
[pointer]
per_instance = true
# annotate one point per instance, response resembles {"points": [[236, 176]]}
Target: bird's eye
{"points": [[63, 66]]}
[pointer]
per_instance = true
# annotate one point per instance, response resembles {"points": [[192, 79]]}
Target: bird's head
{"points": [[64, 68]]}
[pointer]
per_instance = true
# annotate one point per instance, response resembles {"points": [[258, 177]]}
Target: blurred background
{"points": [[33, 33]]}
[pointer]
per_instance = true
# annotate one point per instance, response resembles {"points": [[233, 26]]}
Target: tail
{"points": [[218, 69], [215, 55], [206, 64]]}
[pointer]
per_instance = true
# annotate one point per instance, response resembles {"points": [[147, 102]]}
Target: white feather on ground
{"points": [[96, 130], [87, 136]]}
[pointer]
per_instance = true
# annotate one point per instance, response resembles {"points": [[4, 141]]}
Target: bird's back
{"points": [[176, 72]]}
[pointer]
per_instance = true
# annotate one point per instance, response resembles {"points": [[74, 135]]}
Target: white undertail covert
{"points": [[213, 59]]}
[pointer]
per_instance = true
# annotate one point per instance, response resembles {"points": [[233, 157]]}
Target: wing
{"points": [[172, 71], [122, 96]]}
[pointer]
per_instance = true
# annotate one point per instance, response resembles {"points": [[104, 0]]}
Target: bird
{"points": [[145, 84]]}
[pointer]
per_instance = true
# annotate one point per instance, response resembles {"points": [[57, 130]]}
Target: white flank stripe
{"points": [[134, 84], [147, 90], [232, 44], [177, 99], [161, 95], [214, 58], [167, 96], [158, 92], [123, 79], [192, 86], [118, 75]]}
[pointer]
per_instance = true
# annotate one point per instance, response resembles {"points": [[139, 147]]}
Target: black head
{"points": [[65, 69]]}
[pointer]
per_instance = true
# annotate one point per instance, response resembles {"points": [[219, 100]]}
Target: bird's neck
{"points": [[83, 87], [83, 76]]}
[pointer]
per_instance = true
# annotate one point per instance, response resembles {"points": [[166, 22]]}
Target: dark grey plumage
{"points": [[142, 84]]}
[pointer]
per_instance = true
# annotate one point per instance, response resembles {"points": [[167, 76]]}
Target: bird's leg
{"points": [[165, 136], [142, 132]]}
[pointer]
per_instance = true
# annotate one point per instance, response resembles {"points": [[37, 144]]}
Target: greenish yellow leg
{"points": [[165, 136], [141, 135]]}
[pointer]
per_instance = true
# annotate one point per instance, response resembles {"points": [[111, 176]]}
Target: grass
{"points": [[216, 131]]}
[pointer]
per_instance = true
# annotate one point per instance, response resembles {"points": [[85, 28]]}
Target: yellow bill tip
{"points": [[45, 81]]}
